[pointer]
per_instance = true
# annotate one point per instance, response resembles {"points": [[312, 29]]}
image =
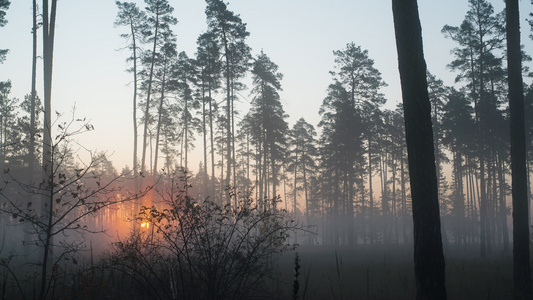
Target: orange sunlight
{"points": [[145, 225]]}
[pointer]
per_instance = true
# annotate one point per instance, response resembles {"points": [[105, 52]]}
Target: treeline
{"points": [[351, 179], [348, 174]]}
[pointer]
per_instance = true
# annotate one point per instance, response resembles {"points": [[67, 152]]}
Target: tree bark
{"points": [[159, 117], [31, 149], [48, 51], [428, 253], [135, 134], [33, 90], [148, 94], [211, 137], [49, 21], [370, 189], [204, 137], [521, 256]]}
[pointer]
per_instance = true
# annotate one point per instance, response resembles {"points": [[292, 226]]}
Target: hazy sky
{"points": [[298, 35]]}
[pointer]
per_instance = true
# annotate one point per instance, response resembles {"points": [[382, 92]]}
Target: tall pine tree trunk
{"points": [[371, 191], [186, 137], [483, 201], [295, 181], [48, 51], [521, 256], [135, 134], [31, 149], [229, 105], [159, 117], [211, 137], [33, 158], [204, 138], [148, 94], [428, 253]]}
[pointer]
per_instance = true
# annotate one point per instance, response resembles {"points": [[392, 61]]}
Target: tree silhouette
{"points": [[302, 162], [428, 253], [207, 59], [479, 36], [341, 154], [458, 135], [269, 128], [162, 75], [159, 19], [521, 255], [130, 15], [230, 33], [4, 5]]}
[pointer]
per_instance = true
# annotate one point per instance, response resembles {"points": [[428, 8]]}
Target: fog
{"points": [[220, 191]]}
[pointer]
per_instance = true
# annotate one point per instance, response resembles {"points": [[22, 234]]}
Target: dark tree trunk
{"points": [[204, 137], [148, 94], [211, 137], [428, 254], [135, 134], [33, 91], [229, 105], [158, 130], [48, 51], [371, 229], [31, 149], [521, 259]]}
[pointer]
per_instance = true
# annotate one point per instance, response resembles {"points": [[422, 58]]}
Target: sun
{"points": [[145, 225]]}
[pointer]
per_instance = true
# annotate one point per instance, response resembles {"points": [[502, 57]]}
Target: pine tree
{"points": [[158, 22], [521, 234], [4, 5], [130, 15], [163, 75], [458, 135], [269, 127], [186, 75], [341, 152], [480, 36], [303, 154], [230, 33], [356, 87], [428, 252], [207, 59]]}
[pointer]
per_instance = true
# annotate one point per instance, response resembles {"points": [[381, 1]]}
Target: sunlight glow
{"points": [[145, 225]]}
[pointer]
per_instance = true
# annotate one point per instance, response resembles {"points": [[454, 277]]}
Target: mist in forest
{"points": [[223, 194]]}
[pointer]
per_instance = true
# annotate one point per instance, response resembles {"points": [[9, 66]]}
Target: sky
{"points": [[298, 35]]}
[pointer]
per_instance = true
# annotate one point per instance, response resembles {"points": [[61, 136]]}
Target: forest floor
{"points": [[387, 272]]}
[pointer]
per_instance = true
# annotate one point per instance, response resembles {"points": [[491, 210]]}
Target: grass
{"points": [[366, 272]]}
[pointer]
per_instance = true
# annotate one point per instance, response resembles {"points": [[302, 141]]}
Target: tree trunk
{"points": [[233, 157], [211, 137], [521, 259], [31, 149], [428, 253], [295, 181], [148, 93], [228, 115], [370, 190], [47, 167], [204, 138], [48, 51], [33, 91], [186, 137], [503, 205], [483, 209], [404, 201], [135, 134], [159, 117]]}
